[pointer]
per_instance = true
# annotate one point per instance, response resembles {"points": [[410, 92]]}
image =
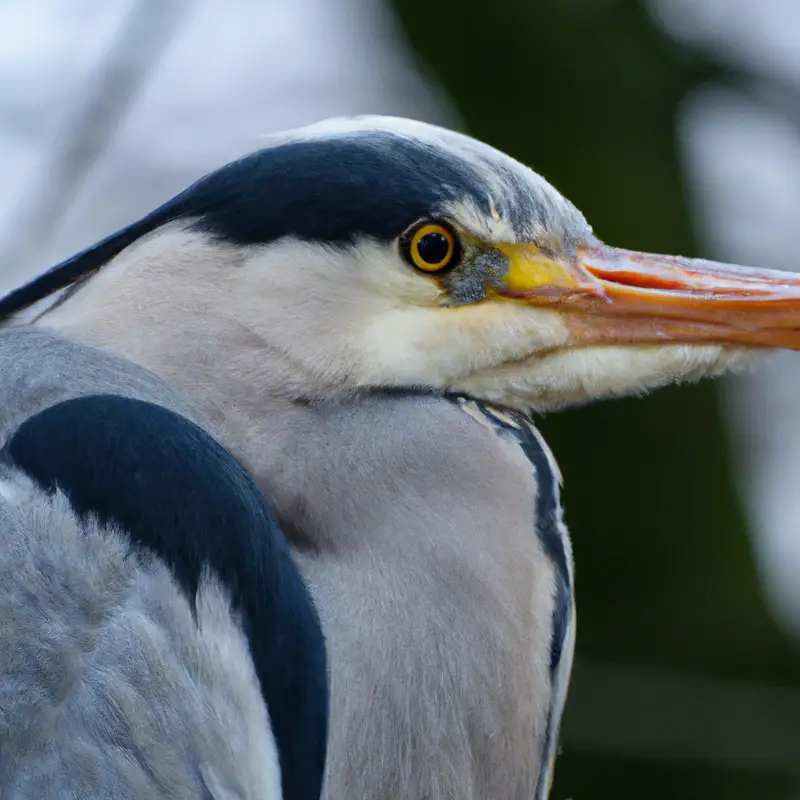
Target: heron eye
{"points": [[431, 247]]}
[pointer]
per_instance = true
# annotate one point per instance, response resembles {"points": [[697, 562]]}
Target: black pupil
{"points": [[433, 248]]}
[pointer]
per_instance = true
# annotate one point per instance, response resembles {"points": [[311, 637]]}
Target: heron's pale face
{"points": [[455, 304], [377, 252], [507, 295]]}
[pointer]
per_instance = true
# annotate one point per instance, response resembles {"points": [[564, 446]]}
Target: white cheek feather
{"points": [[371, 321], [571, 377], [436, 347], [320, 320]]}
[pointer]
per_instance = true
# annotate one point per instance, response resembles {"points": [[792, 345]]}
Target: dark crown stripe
{"points": [[372, 184]]}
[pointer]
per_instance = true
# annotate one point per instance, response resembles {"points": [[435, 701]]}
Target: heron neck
{"points": [[231, 375]]}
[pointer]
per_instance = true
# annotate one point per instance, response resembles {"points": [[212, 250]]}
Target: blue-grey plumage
{"points": [[44, 369], [178, 652], [548, 526], [320, 302]]}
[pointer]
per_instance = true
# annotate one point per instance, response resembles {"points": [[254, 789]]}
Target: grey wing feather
{"points": [[109, 686]]}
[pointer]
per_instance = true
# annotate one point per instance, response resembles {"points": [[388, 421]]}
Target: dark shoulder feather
{"points": [[178, 493]]}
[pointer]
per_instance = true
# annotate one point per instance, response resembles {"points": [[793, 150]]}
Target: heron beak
{"points": [[613, 296]]}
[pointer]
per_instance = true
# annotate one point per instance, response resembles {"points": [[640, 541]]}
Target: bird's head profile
{"points": [[377, 252]]}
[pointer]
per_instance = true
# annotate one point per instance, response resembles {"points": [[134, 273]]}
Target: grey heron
{"points": [[367, 313]]}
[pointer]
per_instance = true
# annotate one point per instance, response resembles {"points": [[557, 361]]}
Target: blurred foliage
{"points": [[587, 93], [591, 777]]}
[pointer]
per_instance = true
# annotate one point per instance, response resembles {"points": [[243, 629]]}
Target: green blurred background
{"points": [[587, 93]]}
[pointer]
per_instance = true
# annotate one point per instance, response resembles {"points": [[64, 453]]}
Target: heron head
{"points": [[376, 252]]}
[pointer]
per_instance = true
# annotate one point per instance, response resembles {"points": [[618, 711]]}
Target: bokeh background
{"points": [[675, 126]]}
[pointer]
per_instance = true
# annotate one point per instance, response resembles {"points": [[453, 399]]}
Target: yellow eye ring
{"points": [[430, 247]]}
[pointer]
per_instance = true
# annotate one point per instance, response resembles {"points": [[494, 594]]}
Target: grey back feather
{"points": [[40, 368], [109, 688]]}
